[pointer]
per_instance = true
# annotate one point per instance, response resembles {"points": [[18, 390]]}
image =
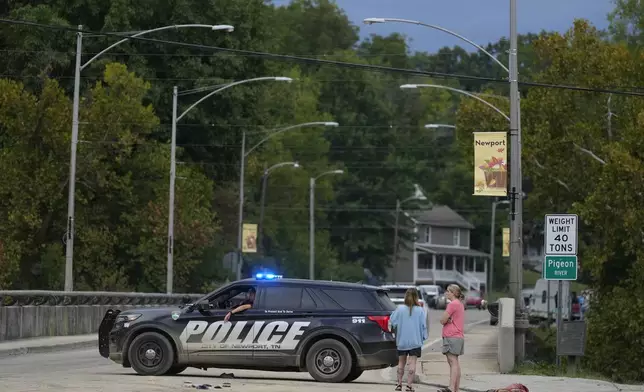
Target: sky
{"points": [[482, 21]]}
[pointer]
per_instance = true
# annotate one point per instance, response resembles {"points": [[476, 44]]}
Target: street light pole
{"points": [[173, 163], [417, 196], [79, 67], [69, 251], [244, 154], [395, 261], [260, 228], [492, 242], [516, 178], [312, 220]]}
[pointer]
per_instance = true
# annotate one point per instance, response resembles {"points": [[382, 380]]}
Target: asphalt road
{"points": [[86, 370]]}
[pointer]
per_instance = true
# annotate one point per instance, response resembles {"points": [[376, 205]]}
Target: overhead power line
{"points": [[308, 60]]}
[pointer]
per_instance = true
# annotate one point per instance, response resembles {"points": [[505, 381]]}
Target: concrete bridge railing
{"points": [[32, 314], [506, 326]]}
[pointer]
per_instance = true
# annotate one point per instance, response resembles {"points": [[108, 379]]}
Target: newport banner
{"points": [[249, 240], [490, 164], [506, 242]]}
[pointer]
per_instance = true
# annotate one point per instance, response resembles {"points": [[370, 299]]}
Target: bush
{"points": [[616, 332]]}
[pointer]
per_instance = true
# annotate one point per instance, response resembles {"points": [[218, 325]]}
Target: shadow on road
{"points": [[249, 377]]}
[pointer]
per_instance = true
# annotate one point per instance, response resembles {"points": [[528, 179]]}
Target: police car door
{"points": [[208, 340], [287, 311]]}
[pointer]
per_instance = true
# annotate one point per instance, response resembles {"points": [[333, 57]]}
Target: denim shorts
{"points": [[414, 352]]}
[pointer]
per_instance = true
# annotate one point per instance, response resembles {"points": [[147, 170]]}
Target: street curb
{"points": [[6, 353]]}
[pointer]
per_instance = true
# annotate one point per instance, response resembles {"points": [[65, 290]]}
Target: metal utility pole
{"points": [[173, 175], [312, 181], [395, 261], [260, 229], [516, 191], [492, 242], [69, 243], [240, 217], [312, 228]]}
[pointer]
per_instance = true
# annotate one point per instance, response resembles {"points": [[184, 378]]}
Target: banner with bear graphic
{"points": [[490, 164]]}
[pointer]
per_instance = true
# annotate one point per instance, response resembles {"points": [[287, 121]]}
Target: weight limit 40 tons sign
{"points": [[560, 262]]}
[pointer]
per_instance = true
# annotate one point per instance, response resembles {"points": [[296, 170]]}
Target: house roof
{"points": [[441, 216], [453, 251]]}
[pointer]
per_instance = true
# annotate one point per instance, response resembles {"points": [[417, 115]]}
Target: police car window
{"points": [[282, 297], [385, 301], [307, 300], [323, 300], [349, 299], [231, 298]]}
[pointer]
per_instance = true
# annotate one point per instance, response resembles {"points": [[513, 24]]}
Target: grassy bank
{"points": [[541, 357]]}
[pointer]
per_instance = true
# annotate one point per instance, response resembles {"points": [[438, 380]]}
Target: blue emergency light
{"points": [[263, 276]]}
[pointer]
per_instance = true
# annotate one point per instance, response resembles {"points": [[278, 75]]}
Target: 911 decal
{"points": [[358, 320], [242, 335]]}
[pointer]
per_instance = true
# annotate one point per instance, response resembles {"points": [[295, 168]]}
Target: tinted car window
{"points": [[385, 301], [349, 299], [324, 301], [282, 297], [307, 300]]}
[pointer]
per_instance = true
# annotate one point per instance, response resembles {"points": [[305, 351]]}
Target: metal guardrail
{"points": [[68, 298]]}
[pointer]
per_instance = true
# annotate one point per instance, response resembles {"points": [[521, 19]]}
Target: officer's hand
{"points": [[227, 317]]}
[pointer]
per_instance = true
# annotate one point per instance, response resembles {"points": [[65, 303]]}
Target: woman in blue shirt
{"points": [[409, 323]]}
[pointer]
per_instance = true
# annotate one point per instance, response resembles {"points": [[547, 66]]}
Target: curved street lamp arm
{"points": [[215, 27], [435, 27], [460, 92], [229, 85], [440, 126], [282, 130], [278, 165], [329, 172]]}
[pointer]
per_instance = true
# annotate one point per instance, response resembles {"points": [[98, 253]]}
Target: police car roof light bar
{"points": [[262, 276]]}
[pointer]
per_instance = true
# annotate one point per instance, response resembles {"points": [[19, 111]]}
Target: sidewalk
{"points": [[47, 344], [480, 370]]}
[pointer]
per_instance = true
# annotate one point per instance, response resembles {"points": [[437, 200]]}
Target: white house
{"points": [[441, 251]]}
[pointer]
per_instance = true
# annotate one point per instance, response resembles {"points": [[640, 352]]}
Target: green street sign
{"points": [[560, 268]]}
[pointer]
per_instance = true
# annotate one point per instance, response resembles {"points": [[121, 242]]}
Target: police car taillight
{"points": [[383, 322]]}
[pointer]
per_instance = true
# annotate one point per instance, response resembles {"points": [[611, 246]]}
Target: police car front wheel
{"points": [[151, 354], [329, 361]]}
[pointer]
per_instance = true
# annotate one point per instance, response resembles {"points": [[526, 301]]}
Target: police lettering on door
{"points": [[242, 335]]}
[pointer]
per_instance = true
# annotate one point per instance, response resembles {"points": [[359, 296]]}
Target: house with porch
{"points": [[437, 251]]}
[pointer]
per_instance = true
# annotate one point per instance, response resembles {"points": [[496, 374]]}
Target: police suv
{"points": [[332, 330]]}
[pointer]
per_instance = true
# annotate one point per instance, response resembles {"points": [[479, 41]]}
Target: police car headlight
{"points": [[126, 318]]}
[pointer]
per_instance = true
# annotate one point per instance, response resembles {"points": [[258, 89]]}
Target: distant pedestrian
{"points": [[453, 320], [409, 323]]}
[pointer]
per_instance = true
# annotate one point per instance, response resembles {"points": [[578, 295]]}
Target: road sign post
{"points": [[560, 261]]}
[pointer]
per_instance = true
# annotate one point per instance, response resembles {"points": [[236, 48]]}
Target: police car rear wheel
{"points": [[329, 361], [151, 354]]}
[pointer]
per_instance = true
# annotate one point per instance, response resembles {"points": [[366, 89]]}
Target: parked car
{"points": [[431, 293], [474, 299]]}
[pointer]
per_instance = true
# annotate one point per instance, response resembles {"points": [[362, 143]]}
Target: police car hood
{"points": [[151, 312]]}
